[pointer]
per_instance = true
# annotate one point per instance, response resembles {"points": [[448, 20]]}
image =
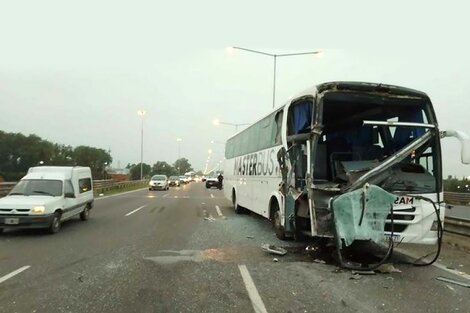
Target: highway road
{"points": [[185, 250]]}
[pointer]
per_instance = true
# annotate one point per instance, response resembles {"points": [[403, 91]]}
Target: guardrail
{"points": [[99, 186], [458, 226], [457, 198]]}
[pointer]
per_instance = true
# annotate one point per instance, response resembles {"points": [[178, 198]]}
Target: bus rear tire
{"points": [[276, 220], [238, 209]]}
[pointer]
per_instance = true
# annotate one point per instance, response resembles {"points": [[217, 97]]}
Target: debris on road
{"points": [[319, 261], [275, 260], [101, 194], [387, 268], [250, 237], [355, 277], [209, 218], [273, 249], [311, 248], [363, 272], [453, 281]]}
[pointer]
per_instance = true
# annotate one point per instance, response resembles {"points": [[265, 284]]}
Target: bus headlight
{"points": [[38, 209]]}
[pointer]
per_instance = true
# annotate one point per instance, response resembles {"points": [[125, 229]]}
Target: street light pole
{"points": [[216, 122], [142, 114], [275, 56]]}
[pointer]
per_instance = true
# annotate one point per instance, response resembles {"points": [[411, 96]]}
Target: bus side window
{"points": [[278, 128]]}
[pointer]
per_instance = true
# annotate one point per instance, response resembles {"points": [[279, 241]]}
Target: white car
{"points": [[47, 196], [159, 182]]}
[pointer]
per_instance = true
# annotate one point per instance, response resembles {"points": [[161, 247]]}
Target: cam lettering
{"points": [[404, 200]]}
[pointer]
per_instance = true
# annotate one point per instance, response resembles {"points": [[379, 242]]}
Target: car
{"points": [[47, 196], [212, 182], [183, 179], [174, 181], [159, 182]]}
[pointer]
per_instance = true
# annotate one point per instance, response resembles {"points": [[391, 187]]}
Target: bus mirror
{"points": [[464, 142]]}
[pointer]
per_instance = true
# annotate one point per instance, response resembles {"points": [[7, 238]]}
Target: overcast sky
{"points": [[76, 72]]}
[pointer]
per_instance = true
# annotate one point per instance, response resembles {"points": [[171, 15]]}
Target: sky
{"points": [[77, 72]]}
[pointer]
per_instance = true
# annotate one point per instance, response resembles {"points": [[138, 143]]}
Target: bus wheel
{"points": [[276, 220], [238, 209]]}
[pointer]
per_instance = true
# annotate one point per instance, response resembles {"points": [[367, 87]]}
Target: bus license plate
{"points": [[12, 221], [396, 238]]}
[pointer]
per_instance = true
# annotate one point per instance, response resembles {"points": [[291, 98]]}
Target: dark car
{"points": [[212, 182], [174, 181]]}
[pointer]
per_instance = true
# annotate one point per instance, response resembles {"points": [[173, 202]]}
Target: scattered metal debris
{"points": [[275, 260], [250, 237], [319, 261], [273, 249], [363, 272], [387, 268], [311, 248], [452, 281], [209, 218], [355, 277]]}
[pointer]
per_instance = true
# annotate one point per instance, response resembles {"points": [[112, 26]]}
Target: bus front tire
{"points": [[238, 209], [276, 220]]}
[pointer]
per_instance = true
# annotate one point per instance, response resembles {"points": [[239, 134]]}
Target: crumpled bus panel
{"points": [[372, 203]]}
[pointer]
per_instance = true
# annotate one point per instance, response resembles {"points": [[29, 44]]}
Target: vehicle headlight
{"points": [[38, 209]]}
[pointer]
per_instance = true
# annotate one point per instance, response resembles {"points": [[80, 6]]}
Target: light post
{"points": [[179, 140], [217, 122], [275, 56], [141, 113]]}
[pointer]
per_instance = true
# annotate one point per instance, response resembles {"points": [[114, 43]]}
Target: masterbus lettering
{"points": [[256, 164]]}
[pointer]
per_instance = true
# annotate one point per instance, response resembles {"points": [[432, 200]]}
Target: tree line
{"points": [[179, 167], [19, 152]]}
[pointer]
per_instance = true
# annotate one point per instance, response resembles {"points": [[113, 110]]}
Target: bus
{"points": [[336, 141]]}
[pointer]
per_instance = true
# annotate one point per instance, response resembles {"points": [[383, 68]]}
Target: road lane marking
{"points": [[255, 298], [212, 196], [8, 276], [132, 212], [119, 194], [186, 197], [219, 211], [165, 195]]}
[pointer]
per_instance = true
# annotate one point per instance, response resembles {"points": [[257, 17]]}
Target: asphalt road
{"points": [[185, 250]]}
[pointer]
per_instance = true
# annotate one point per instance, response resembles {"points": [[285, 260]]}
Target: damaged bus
{"points": [[345, 160]]}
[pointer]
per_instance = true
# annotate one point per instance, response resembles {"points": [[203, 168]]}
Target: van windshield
{"points": [[45, 187]]}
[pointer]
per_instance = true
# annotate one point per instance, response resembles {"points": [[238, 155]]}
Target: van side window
{"points": [[68, 188], [84, 185]]}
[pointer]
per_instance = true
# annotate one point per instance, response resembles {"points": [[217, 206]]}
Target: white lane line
{"points": [[186, 197], [212, 196], [165, 195], [255, 298], [176, 197], [132, 212], [8, 276], [219, 211], [436, 264]]}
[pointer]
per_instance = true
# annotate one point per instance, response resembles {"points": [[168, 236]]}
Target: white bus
{"points": [[337, 139]]}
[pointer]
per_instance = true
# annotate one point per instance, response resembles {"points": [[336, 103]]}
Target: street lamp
{"points": [[141, 113], [179, 140], [275, 56], [217, 122]]}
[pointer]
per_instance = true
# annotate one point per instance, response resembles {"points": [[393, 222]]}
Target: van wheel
{"points": [[55, 225], [85, 214], [238, 209], [276, 220]]}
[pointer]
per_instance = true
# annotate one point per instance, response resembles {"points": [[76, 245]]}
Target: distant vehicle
{"points": [[174, 181], [47, 196], [183, 179], [159, 182], [212, 181]]}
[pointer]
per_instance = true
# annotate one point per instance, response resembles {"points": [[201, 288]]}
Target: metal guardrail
{"points": [[99, 186], [459, 226], [457, 198]]}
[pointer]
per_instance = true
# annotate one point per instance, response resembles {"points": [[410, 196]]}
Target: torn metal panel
{"points": [[361, 214]]}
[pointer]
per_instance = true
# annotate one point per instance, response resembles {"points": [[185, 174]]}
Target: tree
{"points": [[96, 159], [161, 167], [135, 171], [182, 166]]}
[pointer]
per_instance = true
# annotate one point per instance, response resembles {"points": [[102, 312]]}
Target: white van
{"points": [[47, 196]]}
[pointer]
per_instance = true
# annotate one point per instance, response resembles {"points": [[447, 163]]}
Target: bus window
{"points": [[278, 128]]}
